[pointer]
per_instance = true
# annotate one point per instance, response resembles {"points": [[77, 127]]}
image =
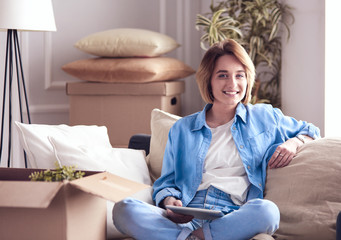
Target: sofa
{"points": [[307, 191]]}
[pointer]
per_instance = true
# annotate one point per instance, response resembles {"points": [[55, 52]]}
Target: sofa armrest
{"points": [[140, 142]]}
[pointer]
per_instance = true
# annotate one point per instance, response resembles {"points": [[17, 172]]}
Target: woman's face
{"points": [[228, 81]]}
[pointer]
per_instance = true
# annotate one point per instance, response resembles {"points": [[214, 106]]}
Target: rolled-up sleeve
{"points": [[166, 192]]}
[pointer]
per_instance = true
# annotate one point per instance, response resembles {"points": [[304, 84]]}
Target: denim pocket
{"points": [[259, 144]]}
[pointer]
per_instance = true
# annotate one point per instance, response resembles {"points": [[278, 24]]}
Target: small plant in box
{"points": [[61, 173]]}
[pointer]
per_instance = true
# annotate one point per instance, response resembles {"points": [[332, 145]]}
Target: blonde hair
{"points": [[205, 71]]}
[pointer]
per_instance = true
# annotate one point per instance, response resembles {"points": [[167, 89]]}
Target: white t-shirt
{"points": [[223, 167]]}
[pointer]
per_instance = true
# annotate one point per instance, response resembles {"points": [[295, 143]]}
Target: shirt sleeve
{"points": [[289, 127], [165, 185]]}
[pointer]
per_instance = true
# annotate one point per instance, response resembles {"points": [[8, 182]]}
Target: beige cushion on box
{"points": [[135, 70], [308, 192], [127, 42], [161, 122]]}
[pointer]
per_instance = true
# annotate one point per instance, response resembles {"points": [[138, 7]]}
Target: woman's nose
{"points": [[232, 81]]}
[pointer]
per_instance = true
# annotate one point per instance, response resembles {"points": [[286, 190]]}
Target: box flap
{"points": [[28, 194], [132, 89], [108, 186]]}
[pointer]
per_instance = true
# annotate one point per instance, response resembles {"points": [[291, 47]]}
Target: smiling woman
{"points": [[217, 159]]}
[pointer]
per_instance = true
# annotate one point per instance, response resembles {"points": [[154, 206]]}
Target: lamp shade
{"points": [[27, 15]]}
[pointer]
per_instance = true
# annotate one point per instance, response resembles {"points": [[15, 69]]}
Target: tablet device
{"points": [[198, 213]]}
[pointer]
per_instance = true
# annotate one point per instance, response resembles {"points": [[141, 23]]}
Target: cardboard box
{"points": [[58, 210], [125, 108]]}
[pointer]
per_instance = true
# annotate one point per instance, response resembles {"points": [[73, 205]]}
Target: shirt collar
{"points": [[241, 112], [200, 121]]}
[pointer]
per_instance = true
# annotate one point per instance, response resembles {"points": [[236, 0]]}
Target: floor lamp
{"points": [[19, 15]]}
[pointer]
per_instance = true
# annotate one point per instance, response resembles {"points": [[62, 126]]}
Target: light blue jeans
{"points": [[144, 221]]}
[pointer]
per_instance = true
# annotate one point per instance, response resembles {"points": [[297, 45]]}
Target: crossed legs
{"points": [[144, 221]]}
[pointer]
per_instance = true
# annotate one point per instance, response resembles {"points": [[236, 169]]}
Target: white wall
{"points": [[332, 67], [45, 53], [303, 78]]}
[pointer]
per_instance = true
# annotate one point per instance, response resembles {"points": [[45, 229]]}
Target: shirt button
{"points": [[260, 185], [241, 146], [234, 128], [248, 167]]}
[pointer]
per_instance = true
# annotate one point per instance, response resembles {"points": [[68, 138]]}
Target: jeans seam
{"points": [[185, 232]]}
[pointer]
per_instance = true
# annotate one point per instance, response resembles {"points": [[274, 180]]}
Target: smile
{"points": [[230, 93]]}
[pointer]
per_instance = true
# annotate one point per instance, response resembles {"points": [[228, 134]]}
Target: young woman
{"points": [[217, 159]]}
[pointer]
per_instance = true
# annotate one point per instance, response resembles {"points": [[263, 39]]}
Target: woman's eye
{"points": [[222, 76], [240, 76]]}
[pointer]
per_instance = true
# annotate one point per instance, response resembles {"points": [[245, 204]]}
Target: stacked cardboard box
{"points": [[124, 108]]}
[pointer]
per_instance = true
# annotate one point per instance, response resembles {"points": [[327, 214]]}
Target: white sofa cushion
{"points": [[124, 162], [34, 139]]}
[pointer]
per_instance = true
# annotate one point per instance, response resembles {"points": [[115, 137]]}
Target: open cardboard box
{"points": [[58, 210]]}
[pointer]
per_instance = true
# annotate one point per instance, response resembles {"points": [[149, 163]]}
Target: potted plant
{"points": [[256, 25]]}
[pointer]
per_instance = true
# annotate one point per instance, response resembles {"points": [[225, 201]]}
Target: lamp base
{"points": [[13, 57]]}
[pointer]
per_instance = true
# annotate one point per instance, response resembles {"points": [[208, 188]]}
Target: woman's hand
{"points": [[175, 217], [284, 153]]}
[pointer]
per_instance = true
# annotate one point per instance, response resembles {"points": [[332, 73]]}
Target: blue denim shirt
{"points": [[257, 131]]}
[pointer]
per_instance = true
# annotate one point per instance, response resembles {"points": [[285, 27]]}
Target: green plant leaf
{"points": [[274, 32]]}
